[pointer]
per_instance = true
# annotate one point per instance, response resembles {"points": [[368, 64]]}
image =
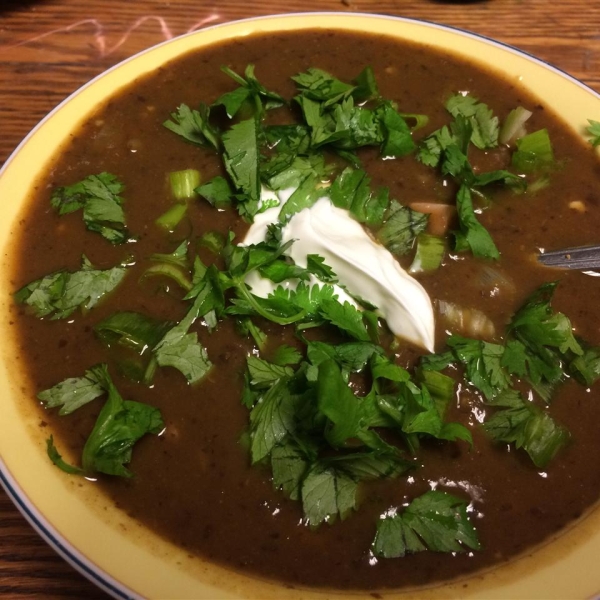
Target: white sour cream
{"points": [[366, 269]]}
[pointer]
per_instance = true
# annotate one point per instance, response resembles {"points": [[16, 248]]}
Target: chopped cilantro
{"points": [[435, 521], [472, 233], [120, 424], [527, 426], [98, 196], [250, 90], [217, 191], [401, 227], [483, 122], [593, 130], [72, 393], [194, 126], [58, 295], [240, 155]]}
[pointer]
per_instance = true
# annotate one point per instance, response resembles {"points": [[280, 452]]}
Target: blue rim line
{"points": [[65, 550]]}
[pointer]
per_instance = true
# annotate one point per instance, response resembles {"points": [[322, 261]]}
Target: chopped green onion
{"points": [[534, 152], [213, 240], [430, 251], [539, 184], [419, 120], [466, 321], [184, 183], [172, 217], [513, 126], [171, 271]]}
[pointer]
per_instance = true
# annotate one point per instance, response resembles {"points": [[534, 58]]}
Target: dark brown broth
{"points": [[194, 484]]}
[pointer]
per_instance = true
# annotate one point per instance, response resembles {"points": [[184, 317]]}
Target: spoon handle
{"points": [[586, 257]]}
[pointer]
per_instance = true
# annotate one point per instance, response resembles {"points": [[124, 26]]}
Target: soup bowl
{"points": [[114, 550]]}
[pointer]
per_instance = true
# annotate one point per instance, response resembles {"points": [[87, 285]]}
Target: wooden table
{"points": [[48, 48]]}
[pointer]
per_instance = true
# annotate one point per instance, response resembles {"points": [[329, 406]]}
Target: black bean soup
{"points": [[194, 483]]}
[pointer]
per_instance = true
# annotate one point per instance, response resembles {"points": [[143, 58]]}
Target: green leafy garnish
{"points": [[483, 122], [250, 91], [120, 424], [435, 521], [240, 156], [401, 228], [72, 393], [593, 130], [98, 196], [527, 426], [217, 191], [58, 295], [194, 126]]}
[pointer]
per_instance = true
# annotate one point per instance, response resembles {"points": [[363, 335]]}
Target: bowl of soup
{"points": [[276, 325]]}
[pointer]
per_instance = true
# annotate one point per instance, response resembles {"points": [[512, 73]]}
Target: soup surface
{"points": [[194, 483]]}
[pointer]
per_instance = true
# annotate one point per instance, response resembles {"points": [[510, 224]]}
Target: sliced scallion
{"points": [[430, 252], [512, 127], [184, 183], [170, 219], [534, 152]]}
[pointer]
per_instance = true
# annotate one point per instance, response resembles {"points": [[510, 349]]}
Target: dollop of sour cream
{"points": [[363, 267]]}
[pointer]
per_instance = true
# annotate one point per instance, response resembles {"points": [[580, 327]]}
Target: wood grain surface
{"points": [[49, 48]]}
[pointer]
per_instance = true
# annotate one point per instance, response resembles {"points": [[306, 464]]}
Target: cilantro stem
{"points": [[245, 293], [150, 370]]}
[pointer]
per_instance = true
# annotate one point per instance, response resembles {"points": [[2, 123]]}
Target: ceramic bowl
{"points": [[116, 552]]}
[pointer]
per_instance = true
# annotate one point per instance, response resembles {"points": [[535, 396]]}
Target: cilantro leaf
{"points": [[366, 86], [240, 155], [593, 130], [315, 264], [98, 196], [72, 393], [217, 191], [351, 191], [435, 521], [524, 424], [264, 374], [327, 494], [272, 419], [61, 293], [251, 89], [364, 466], [182, 350], [483, 363], [346, 317], [57, 459], [248, 328], [483, 122], [402, 226], [286, 355], [397, 137], [319, 85], [290, 462], [472, 232], [120, 424], [586, 368], [543, 340], [132, 330], [337, 402], [194, 126], [351, 356]]}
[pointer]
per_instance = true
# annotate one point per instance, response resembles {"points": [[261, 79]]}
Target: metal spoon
{"points": [[586, 257]]}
